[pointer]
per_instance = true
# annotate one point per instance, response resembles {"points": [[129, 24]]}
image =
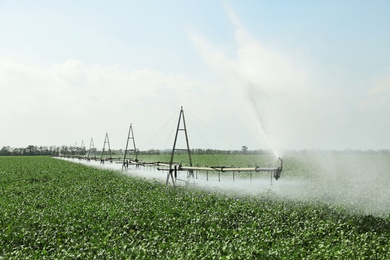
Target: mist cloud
{"points": [[289, 102]]}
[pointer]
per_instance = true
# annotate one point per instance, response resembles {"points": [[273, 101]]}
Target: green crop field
{"points": [[55, 209], [239, 160]]}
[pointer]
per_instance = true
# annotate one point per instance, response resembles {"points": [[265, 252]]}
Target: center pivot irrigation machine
{"points": [[172, 168]]}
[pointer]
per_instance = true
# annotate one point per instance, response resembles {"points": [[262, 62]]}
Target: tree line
{"points": [[34, 150], [64, 150]]}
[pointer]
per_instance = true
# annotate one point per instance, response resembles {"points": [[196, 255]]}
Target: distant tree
{"points": [[6, 150], [17, 151], [244, 149], [64, 150], [30, 150]]}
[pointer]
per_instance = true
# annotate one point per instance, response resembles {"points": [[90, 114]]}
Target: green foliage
{"points": [[61, 210], [237, 160]]}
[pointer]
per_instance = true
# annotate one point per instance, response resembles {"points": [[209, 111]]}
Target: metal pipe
{"points": [[275, 171], [227, 169]]}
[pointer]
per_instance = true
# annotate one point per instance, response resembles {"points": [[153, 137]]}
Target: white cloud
{"points": [[92, 99]]}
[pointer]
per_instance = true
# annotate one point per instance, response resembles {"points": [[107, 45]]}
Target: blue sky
{"points": [[265, 74]]}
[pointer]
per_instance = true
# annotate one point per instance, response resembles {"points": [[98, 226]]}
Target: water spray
{"points": [[172, 168]]}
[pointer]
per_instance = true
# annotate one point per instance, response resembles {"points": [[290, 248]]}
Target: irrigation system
{"points": [[172, 168]]}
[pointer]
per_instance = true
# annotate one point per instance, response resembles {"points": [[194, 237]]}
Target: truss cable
{"points": [[159, 130], [231, 146], [204, 139], [220, 137], [170, 135]]}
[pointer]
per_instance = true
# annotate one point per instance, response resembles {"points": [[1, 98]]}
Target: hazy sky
{"points": [[265, 74]]}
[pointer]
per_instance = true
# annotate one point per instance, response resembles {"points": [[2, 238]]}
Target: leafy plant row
{"points": [[55, 209]]}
